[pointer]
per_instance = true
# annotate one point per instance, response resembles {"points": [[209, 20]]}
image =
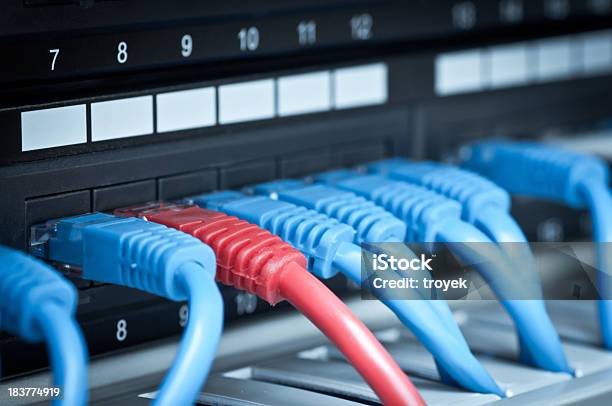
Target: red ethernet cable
{"points": [[252, 259]]}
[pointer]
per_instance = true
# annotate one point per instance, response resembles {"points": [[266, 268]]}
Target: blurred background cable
{"points": [[487, 206], [432, 217], [548, 172]]}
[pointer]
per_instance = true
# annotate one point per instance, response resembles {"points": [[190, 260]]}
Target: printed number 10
{"points": [[249, 39]]}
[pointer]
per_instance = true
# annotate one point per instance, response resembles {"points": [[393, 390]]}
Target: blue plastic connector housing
{"points": [[383, 166], [536, 170], [128, 251], [371, 222], [315, 235], [132, 252], [471, 190], [272, 188], [423, 211], [26, 283], [334, 176]]}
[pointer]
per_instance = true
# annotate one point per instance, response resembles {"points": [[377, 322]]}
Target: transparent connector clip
{"points": [[149, 209], [40, 235]]}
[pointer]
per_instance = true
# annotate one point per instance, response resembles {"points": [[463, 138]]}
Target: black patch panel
{"points": [[413, 122]]}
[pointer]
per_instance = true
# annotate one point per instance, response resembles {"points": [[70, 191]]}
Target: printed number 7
{"points": [[55, 53]]}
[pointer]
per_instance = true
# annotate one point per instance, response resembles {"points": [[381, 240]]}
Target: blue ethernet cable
{"points": [[486, 206], [154, 258], [548, 172], [38, 304], [432, 217], [372, 224], [329, 248]]}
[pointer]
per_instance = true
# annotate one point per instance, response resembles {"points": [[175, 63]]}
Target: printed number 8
{"points": [[121, 330], [122, 54]]}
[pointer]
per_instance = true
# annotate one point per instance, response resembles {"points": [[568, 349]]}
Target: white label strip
{"points": [[597, 52], [459, 72], [246, 101], [186, 109], [509, 65], [554, 59], [305, 93], [360, 86], [289, 95], [54, 127], [122, 118], [519, 64]]}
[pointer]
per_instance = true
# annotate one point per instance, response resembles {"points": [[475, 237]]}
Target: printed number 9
{"points": [[186, 45], [183, 315]]}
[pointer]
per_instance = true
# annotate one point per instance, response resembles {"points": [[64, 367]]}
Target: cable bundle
{"points": [[430, 321], [432, 217], [577, 180], [260, 263]]}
